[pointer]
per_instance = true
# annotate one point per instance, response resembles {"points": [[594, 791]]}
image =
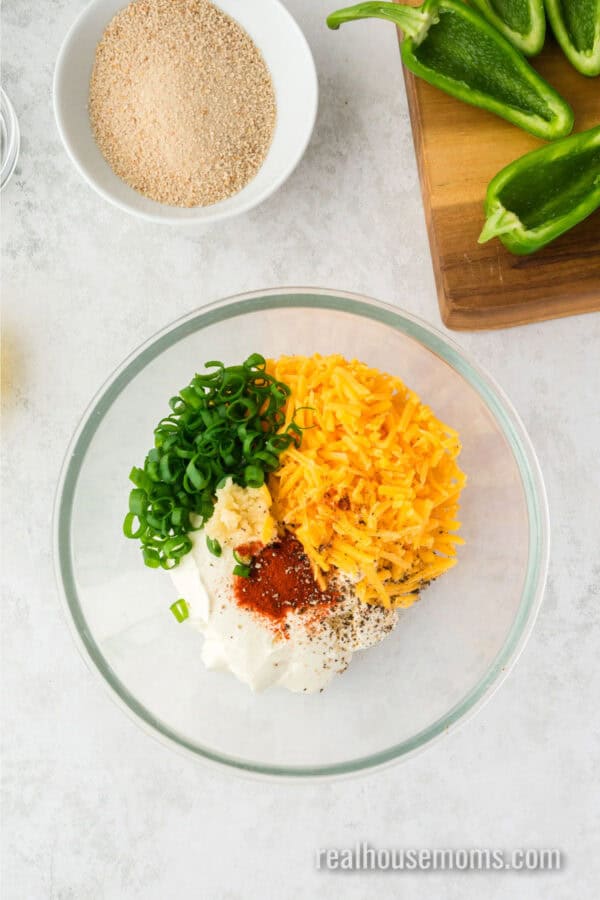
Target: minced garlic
{"points": [[241, 516]]}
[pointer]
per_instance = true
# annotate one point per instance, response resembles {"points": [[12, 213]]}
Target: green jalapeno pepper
{"points": [[523, 22], [544, 193], [576, 27], [453, 47]]}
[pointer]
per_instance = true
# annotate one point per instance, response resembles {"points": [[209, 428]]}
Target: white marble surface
{"points": [[92, 807]]}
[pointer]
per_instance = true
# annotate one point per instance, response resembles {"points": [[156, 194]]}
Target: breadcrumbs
{"points": [[181, 102]]}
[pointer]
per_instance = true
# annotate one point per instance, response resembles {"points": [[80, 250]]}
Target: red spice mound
{"points": [[281, 580], [247, 551]]}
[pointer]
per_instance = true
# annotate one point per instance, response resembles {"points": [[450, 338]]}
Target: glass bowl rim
{"points": [[13, 137], [446, 349]]}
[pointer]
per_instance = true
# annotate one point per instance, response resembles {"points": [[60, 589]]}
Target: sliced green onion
{"points": [[191, 397], [278, 443], [270, 461], [214, 546], [242, 570], [140, 478], [128, 526], [255, 361], [232, 386], [228, 423], [151, 557], [180, 610], [254, 477], [138, 502], [198, 476], [177, 546]]}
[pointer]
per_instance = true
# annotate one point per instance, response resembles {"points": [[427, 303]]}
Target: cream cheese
{"points": [[252, 647]]}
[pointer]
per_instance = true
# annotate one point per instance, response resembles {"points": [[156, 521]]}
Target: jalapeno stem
{"points": [[413, 22]]}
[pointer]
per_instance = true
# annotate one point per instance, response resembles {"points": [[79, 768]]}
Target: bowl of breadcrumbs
{"points": [[185, 111]]}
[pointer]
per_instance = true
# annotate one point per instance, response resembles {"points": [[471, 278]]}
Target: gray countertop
{"points": [[95, 809]]}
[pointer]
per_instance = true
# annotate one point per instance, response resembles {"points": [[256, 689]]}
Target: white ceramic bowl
{"points": [[292, 69]]}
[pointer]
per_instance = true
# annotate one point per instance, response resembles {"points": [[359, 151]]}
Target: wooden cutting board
{"points": [[459, 149]]}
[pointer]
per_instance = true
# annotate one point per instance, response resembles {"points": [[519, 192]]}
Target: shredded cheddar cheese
{"points": [[373, 489]]}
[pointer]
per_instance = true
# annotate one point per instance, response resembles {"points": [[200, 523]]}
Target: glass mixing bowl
{"points": [[449, 652]]}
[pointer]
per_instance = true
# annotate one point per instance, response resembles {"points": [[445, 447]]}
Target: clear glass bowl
{"points": [[448, 653], [9, 138]]}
